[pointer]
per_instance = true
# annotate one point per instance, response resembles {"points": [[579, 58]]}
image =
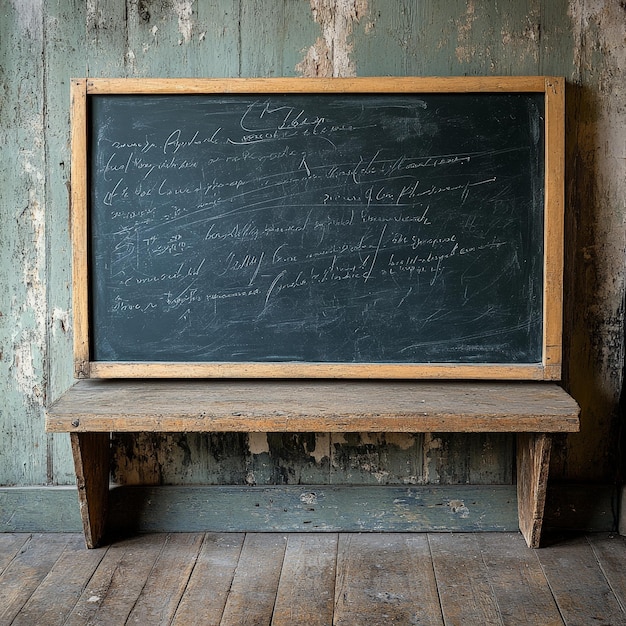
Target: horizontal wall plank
{"points": [[301, 508], [39, 509]]}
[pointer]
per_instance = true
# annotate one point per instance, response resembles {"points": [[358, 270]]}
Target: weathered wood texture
{"points": [[91, 460], [312, 406], [44, 43], [533, 465], [91, 409], [177, 508], [378, 579]]}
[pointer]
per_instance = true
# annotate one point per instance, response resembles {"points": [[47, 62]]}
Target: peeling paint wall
{"points": [[331, 54], [596, 206], [43, 43]]}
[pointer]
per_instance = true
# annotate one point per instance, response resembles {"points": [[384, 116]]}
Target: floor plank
{"points": [[255, 584], [209, 585], [26, 571], [10, 545], [351, 579], [579, 586], [517, 580], [610, 550], [59, 591], [463, 581], [307, 584], [168, 579], [113, 590], [385, 579]]}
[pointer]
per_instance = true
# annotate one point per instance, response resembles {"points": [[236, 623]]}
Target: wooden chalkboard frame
{"points": [[549, 368]]}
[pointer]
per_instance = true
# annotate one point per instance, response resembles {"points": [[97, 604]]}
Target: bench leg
{"points": [[91, 463], [533, 464]]}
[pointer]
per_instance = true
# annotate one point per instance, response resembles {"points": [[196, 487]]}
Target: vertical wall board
{"points": [[408, 38], [492, 459], [556, 41], [291, 459], [106, 36], [274, 35], [454, 38], [376, 459], [23, 443], [595, 242], [184, 38], [64, 58], [500, 39], [180, 458]]}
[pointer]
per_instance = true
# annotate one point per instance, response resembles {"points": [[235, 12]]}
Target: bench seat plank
{"points": [[312, 406]]}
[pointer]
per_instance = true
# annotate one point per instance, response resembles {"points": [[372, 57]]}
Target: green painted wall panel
{"points": [[43, 43], [23, 443], [64, 29]]}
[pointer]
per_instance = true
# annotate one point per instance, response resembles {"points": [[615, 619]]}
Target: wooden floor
{"points": [[288, 579]]}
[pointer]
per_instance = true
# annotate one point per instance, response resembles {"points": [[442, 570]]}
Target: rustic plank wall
{"points": [[43, 43]]}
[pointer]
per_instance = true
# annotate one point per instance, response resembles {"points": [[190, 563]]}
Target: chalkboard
{"points": [[301, 228]]}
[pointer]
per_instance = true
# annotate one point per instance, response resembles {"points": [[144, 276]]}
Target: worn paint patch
{"points": [[28, 13], [258, 443], [28, 336], [329, 56], [431, 443], [184, 11], [403, 441], [322, 448], [465, 50], [97, 18], [526, 39], [601, 153], [458, 508]]}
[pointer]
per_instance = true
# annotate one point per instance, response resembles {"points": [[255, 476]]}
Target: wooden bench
{"points": [[93, 409]]}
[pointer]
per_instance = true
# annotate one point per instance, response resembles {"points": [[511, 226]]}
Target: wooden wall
{"points": [[43, 43]]}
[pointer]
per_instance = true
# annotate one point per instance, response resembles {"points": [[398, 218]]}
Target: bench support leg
{"points": [[91, 462], [533, 464]]}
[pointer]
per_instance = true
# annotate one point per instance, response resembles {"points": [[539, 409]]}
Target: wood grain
{"points": [[214, 570], [62, 586], [91, 460], [26, 571], [112, 592], [168, 580], [579, 586], [518, 583], [10, 546], [79, 222], [380, 84], [463, 580], [554, 232], [380, 579], [485, 371], [307, 583], [253, 591], [385, 579], [311, 406], [533, 466]]}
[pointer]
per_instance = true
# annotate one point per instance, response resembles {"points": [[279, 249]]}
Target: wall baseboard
{"points": [[298, 508]]}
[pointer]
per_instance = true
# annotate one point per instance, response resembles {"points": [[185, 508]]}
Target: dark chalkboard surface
{"points": [[294, 228], [317, 228]]}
